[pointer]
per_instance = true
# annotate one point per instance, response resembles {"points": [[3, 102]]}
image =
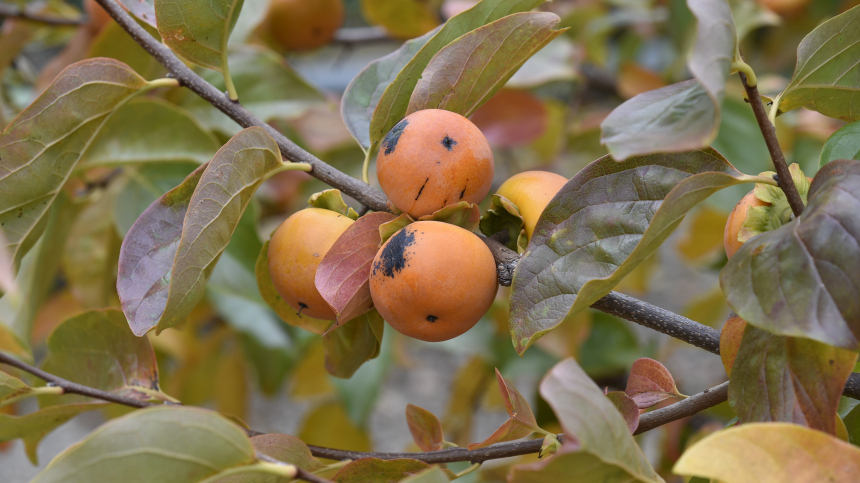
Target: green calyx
{"points": [[770, 217]]}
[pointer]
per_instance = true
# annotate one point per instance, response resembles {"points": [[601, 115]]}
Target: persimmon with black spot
{"points": [[434, 158], [433, 281], [303, 24], [295, 252]]}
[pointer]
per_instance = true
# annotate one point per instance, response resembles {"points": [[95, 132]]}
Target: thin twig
{"points": [[786, 182], [684, 408], [13, 12]]}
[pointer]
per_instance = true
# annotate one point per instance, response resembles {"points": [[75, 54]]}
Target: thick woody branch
{"points": [[784, 178], [362, 192], [13, 12]]}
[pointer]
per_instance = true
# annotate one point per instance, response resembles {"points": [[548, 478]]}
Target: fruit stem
{"points": [[164, 82], [785, 181], [228, 80], [365, 168]]}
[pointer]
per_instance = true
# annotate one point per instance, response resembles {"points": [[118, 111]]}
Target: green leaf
{"points": [[468, 71], [10, 344], [12, 389], [800, 280], [140, 186], [169, 253], [36, 425], [144, 10], [843, 144], [394, 101], [825, 77], [331, 199], [402, 19], [39, 149], [98, 350], [604, 222], [788, 379], [598, 445], [430, 475], [503, 215], [351, 344], [150, 131], [771, 453], [114, 42], [167, 444], [383, 471], [198, 30]]}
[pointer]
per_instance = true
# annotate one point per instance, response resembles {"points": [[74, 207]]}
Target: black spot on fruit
{"points": [[422, 189], [393, 257], [463, 193], [449, 143], [432, 318], [302, 306], [390, 141]]}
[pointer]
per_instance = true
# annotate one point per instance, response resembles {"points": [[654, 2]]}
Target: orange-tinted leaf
{"points": [[383, 471], [649, 383], [730, 341], [288, 449], [633, 79], [628, 408], [521, 423], [343, 276], [512, 117], [425, 428], [771, 453]]}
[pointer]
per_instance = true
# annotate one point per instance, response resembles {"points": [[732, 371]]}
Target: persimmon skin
{"points": [[433, 281], [434, 158], [531, 191], [96, 15], [736, 221], [304, 24], [295, 252]]}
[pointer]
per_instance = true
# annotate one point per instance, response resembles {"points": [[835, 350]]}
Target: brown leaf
{"points": [[628, 408], [521, 423], [730, 341], [649, 383], [425, 428], [512, 117]]}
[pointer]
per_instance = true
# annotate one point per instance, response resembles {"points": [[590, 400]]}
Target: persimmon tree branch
{"points": [[14, 12], [362, 192], [784, 179]]}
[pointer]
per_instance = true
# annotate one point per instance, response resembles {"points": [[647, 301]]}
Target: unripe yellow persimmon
{"points": [[531, 191], [303, 24], [434, 158], [433, 281], [296, 250]]}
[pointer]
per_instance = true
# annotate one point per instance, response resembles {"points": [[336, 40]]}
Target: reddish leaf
{"points": [[390, 471], [649, 383], [522, 422], [628, 408], [512, 117], [730, 341], [343, 276], [425, 428]]}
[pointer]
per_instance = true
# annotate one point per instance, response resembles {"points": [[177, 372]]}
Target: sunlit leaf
{"points": [[584, 243], [39, 149], [198, 30], [628, 408], [468, 71], [817, 291], [393, 103], [402, 19], [521, 422], [425, 428], [353, 343], [171, 250], [788, 379], [36, 425], [843, 144], [650, 383], [383, 471], [825, 77], [771, 453], [161, 444]]}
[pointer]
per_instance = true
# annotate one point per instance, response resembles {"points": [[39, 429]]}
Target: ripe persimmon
{"points": [[434, 158], [296, 250], [736, 222], [433, 281], [303, 24], [531, 191]]}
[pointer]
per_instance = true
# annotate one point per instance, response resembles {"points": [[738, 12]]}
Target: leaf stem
{"points": [[738, 65], [786, 182], [163, 82], [34, 391], [228, 79], [365, 168]]}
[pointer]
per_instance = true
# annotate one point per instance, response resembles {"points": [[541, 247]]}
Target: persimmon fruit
{"points": [[531, 191], [434, 158], [433, 281], [303, 24], [295, 252], [736, 222]]}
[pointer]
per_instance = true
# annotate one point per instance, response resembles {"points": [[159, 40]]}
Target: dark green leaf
{"points": [[198, 30], [843, 144], [353, 343], [803, 279]]}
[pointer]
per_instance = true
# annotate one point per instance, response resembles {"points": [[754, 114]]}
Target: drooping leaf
{"points": [[169, 253], [771, 453], [714, 50], [97, 349], [521, 422], [825, 77], [31, 428], [353, 343], [402, 19], [788, 379], [39, 149], [584, 242], [730, 341], [198, 30], [650, 383], [161, 444], [627, 407], [468, 71], [394, 101], [843, 144], [803, 279], [597, 444], [425, 428], [383, 471], [150, 131]]}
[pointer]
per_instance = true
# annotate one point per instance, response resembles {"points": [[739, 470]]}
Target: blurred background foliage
{"points": [[234, 354]]}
